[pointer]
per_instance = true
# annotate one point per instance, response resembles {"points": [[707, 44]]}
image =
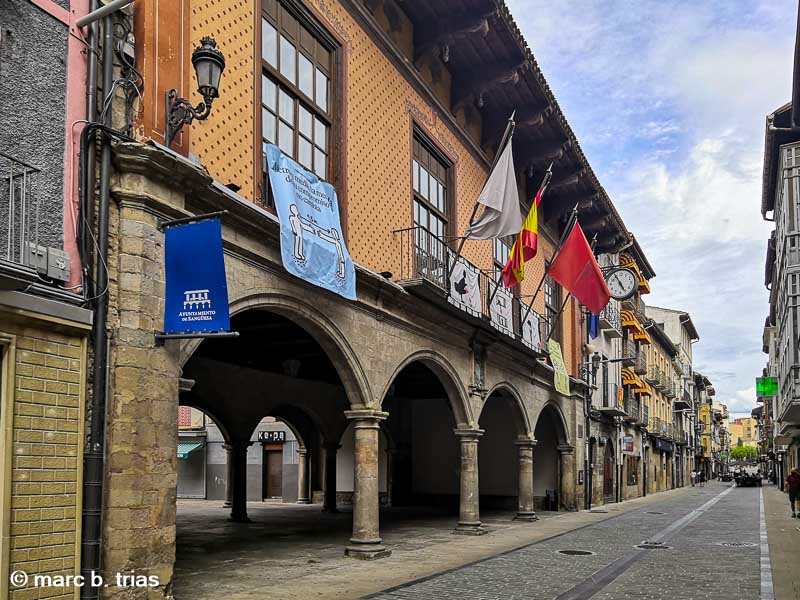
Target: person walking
{"points": [[793, 487], [692, 477]]}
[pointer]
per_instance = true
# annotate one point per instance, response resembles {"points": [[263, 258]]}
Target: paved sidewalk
{"points": [[305, 572], [784, 544]]}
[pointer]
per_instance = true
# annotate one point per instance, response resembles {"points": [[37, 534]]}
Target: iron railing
{"points": [[610, 396], [19, 211], [645, 413], [640, 364], [628, 354], [653, 374], [611, 316], [424, 255], [636, 306]]}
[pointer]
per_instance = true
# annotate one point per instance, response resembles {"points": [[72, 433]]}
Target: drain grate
{"points": [[576, 552], [598, 512], [737, 544], [653, 546], [655, 512]]}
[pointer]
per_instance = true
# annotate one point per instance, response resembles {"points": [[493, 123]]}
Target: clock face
{"points": [[622, 283]]}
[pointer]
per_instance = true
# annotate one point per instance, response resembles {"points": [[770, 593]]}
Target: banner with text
{"points": [[196, 288], [312, 244], [560, 375]]}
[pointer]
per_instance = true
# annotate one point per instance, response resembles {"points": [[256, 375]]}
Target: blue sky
{"points": [[668, 100]]}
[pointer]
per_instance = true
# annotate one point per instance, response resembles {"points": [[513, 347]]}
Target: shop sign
{"points": [[272, 437], [627, 444]]}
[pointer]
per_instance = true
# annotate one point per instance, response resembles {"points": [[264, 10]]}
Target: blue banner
{"points": [[197, 292], [312, 244]]}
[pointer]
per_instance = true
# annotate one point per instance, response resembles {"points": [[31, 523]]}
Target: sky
{"points": [[668, 99]]}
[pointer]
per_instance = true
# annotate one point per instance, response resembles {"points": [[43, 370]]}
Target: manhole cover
{"points": [[655, 512], [576, 552], [600, 512], [653, 546], [737, 544]]}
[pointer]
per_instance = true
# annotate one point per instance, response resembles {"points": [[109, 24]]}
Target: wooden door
{"points": [[273, 474], [608, 473]]}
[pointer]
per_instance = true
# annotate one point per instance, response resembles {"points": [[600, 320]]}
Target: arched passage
{"points": [[504, 422], [426, 403], [552, 437]]}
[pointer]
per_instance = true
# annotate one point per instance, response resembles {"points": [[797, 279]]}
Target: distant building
{"points": [[743, 432]]}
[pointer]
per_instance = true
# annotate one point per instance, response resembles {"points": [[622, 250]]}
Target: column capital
{"points": [[565, 449], [366, 418], [524, 442], [302, 450], [468, 435]]}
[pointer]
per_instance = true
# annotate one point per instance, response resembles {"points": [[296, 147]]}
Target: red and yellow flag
{"points": [[524, 247]]}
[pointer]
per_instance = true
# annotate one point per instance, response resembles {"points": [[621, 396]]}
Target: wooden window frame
{"points": [[312, 21], [449, 216], [554, 333]]}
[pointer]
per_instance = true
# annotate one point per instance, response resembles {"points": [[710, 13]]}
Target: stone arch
{"points": [[552, 408], [507, 391], [223, 428], [448, 376], [327, 334]]}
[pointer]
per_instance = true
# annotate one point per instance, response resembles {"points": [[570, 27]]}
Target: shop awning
{"points": [[184, 448], [630, 378], [630, 322], [642, 337]]}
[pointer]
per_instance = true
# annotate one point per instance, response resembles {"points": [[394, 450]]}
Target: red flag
{"points": [[576, 269]]}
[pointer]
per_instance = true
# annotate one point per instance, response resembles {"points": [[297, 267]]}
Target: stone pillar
{"points": [[566, 493], [239, 497], [366, 542], [469, 522], [229, 477], [302, 476], [525, 511], [329, 497]]}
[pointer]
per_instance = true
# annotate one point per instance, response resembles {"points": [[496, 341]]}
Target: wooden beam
{"points": [[526, 118], [569, 179], [552, 151], [482, 81], [436, 38]]}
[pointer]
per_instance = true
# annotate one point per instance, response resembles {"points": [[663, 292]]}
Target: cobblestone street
{"points": [[707, 542]]}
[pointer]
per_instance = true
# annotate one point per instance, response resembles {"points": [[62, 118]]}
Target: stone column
{"points": [[229, 477], [302, 476], [366, 542], [566, 494], [525, 511], [329, 497], [469, 522], [239, 496]]}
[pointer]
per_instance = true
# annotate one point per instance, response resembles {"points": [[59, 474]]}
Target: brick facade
{"points": [[42, 416]]}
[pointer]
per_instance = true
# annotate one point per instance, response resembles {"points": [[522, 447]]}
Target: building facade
{"points": [[779, 204], [45, 315]]}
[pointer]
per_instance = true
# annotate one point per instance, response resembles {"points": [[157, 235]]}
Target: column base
{"points": [[470, 529], [526, 516], [367, 551], [238, 519], [303, 501], [227, 504]]}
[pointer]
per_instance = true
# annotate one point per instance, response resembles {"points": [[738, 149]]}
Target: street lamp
{"points": [[208, 63]]}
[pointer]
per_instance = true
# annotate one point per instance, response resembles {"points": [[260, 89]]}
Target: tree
{"points": [[744, 453]]}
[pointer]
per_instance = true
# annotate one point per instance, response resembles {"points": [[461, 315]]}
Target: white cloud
{"points": [[668, 100]]}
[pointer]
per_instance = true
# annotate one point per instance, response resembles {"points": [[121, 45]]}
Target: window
{"points": [[429, 178], [632, 468], [296, 106], [501, 252], [552, 306]]}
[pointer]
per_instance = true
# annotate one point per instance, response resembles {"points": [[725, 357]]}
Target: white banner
{"points": [[500, 313], [531, 331], [465, 291]]}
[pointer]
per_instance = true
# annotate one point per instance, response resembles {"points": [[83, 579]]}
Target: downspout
{"points": [[93, 467]]}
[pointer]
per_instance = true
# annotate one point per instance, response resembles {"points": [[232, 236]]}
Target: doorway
{"points": [[272, 485], [608, 473]]}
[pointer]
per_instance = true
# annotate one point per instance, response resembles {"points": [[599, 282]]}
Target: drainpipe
{"points": [[93, 467]]}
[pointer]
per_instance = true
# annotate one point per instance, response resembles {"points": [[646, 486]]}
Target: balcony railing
{"points": [[610, 400], [635, 305], [628, 354], [640, 364], [19, 212], [611, 320], [424, 256], [653, 374]]}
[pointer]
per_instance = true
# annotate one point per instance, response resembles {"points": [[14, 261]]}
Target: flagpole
{"points": [[506, 138], [564, 304], [570, 223]]}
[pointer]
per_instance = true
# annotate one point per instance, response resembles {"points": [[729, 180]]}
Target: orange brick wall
{"points": [[42, 429], [380, 108]]}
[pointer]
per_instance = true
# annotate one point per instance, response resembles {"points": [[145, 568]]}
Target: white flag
{"points": [[502, 215]]}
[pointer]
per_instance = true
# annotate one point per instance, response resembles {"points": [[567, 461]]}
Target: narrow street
{"points": [[704, 544]]}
